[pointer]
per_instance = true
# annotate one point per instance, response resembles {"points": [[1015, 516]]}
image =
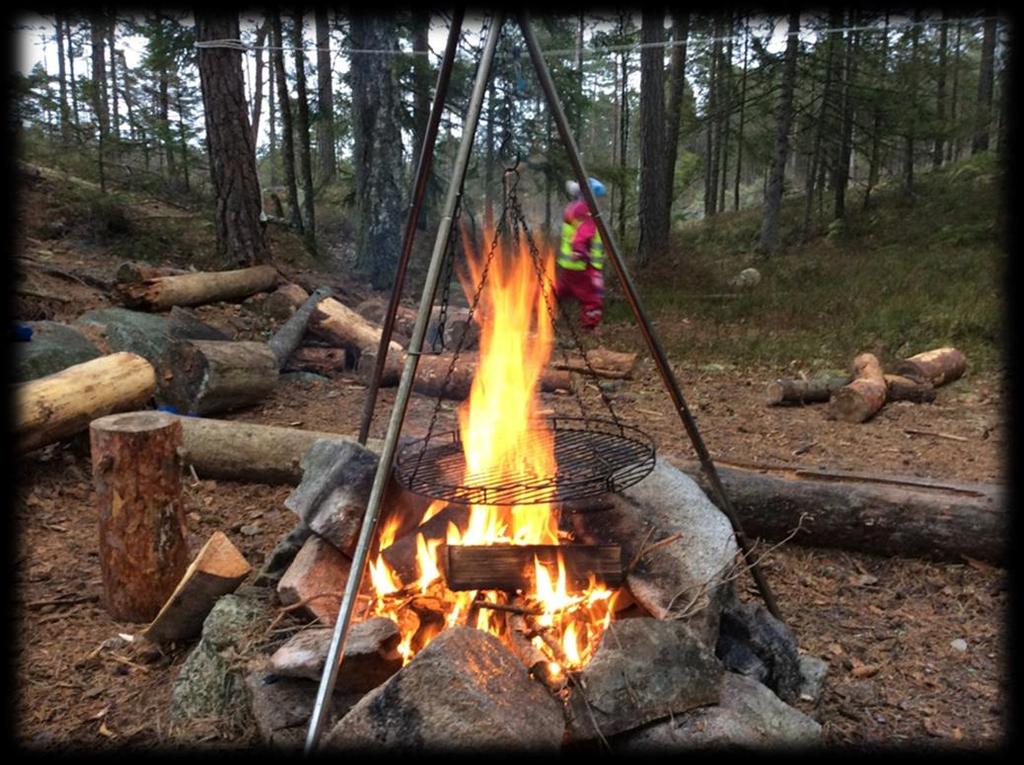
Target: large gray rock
{"points": [[682, 579], [53, 348], [148, 334], [464, 691], [336, 480], [748, 715], [282, 707], [643, 670], [368, 660], [754, 643], [208, 685]]}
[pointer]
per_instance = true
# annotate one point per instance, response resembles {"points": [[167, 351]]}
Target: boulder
{"points": [[54, 347], [147, 334], [643, 670], [283, 706], [748, 716], [369, 657], [685, 578], [463, 692], [317, 577]]}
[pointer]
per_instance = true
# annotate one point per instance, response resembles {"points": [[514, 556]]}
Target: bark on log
{"points": [[899, 388], [511, 567], [874, 513], [336, 322], [603, 362], [939, 366], [373, 310], [207, 376], [130, 272], [864, 396], [288, 337], [217, 570], [432, 371], [323, 361], [162, 292], [241, 451], [62, 404], [136, 472]]}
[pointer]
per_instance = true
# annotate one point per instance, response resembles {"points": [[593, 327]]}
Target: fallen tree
{"points": [[63, 404], [288, 337], [208, 376], [159, 293], [875, 513]]}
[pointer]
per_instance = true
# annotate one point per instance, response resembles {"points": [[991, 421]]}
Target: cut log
{"points": [[284, 301], [939, 366], [161, 292], [899, 388], [131, 272], [62, 404], [820, 389], [432, 371], [136, 470], [864, 396], [242, 451], [288, 337], [874, 513], [373, 310], [322, 361], [217, 570], [336, 322], [401, 555], [602, 363], [511, 567], [207, 376]]}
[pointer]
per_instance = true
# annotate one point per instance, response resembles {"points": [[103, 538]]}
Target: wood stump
{"points": [[136, 471]]}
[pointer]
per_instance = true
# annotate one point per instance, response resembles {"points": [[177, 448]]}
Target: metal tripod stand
{"points": [[388, 451]]}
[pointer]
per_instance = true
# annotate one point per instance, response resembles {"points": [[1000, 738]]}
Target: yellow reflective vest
{"points": [[568, 260]]}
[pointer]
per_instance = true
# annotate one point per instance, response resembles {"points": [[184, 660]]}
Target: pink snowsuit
{"points": [[580, 263]]}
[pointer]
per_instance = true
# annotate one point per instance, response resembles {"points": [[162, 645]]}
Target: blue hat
{"points": [[596, 186]]}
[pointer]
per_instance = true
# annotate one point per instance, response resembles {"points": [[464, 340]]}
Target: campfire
{"points": [[550, 612]]}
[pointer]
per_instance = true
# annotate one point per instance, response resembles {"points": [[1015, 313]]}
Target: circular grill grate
{"points": [[594, 457]]}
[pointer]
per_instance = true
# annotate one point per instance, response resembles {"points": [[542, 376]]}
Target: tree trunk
{"points": [[674, 110], [63, 404], [161, 292], [99, 106], [65, 114], [183, 136], [841, 174], [302, 128], [377, 154], [653, 209], [986, 78], [876, 514], [423, 87], [287, 137], [325, 99], [164, 123], [876, 131], [864, 396], [911, 135], [711, 123], [822, 125], [743, 111], [216, 571], [240, 235], [624, 129], [74, 82], [202, 377], [769, 242], [136, 472], [272, 119], [953, 147], [257, 102], [940, 94], [725, 110], [115, 116]]}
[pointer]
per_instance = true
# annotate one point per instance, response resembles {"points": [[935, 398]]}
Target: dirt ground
{"points": [[916, 650]]}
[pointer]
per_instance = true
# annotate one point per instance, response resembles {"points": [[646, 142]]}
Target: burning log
{"points": [[603, 362], [938, 366], [207, 376], [62, 404], [217, 570], [863, 397], [159, 293], [136, 471], [401, 555], [511, 567], [288, 337], [531, 656]]}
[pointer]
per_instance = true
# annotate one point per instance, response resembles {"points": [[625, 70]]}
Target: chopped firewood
{"points": [[143, 552], [939, 366], [217, 570], [863, 397], [62, 404], [161, 292], [511, 567]]}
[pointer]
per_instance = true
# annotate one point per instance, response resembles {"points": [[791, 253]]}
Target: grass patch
{"points": [[902, 277]]}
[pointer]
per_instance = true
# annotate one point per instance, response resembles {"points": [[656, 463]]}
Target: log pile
{"points": [[860, 395]]}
